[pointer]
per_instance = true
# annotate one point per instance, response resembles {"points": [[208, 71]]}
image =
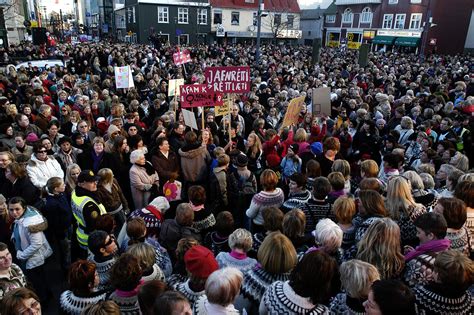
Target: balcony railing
{"points": [[346, 2]]}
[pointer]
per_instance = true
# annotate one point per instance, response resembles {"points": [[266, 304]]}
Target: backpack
{"points": [[245, 185]]}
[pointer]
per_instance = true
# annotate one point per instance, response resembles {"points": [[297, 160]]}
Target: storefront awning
{"points": [[407, 41], [384, 40]]}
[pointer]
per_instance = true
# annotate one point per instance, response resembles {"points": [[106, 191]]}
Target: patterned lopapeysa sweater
{"points": [[262, 200]]}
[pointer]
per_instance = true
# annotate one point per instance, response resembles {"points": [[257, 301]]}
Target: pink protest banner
{"points": [[199, 95], [181, 57], [228, 79]]}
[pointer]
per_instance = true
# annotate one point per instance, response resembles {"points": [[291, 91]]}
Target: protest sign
{"points": [[293, 111], [173, 86], [321, 101], [189, 119], [228, 79], [221, 110], [199, 95], [181, 57], [123, 77]]}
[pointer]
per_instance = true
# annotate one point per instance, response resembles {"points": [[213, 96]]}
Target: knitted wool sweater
{"points": [[345, 305], [243, 264], [71, 304], [191, 295], [419, 271], [257, 280], [459, 239], [127, 301], [434, 298], [203, 307], [296, 200], [262, 200], [281, 299], [103, 269], [315, 210]]}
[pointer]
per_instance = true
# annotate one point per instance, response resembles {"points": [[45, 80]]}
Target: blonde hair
{"points": [[370, 168], [380, 246], [343, 167], [145, 254], [455, 270], [357, 277], [223, 286], [106, 176], [241, 239], [69, 180], [406, 122], [344, 208], [399, 197], [300, 135], [102, 308], [415, 180], [256, 148], [277, 254]]}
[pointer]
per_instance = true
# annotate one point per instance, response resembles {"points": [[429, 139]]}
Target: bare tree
{"points": [[280, 21], [12, 9]]}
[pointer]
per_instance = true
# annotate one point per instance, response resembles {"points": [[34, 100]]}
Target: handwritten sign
{"points": [[189, 119], [181, 57], [199, 95], [322, 101], [228, 79], [293, 111], [123, 77], [173, 86]]}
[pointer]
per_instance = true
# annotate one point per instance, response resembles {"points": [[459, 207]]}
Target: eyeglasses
{"points": [[111, 240], [42, 151], [83, 126]]}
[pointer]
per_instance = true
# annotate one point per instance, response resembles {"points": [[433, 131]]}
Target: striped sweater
{"points": [[262, 200]]}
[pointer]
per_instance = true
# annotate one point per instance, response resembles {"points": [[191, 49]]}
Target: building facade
{"points": [[176, 22], [236, 20], [402, 25]]}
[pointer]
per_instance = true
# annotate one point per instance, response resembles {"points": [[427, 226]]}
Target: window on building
{"points": [[309, 33], [249, 1], [183, 39], [399, 21], [183, 16], [134, 15], [129, 15], [330, 18], [392, 1], [163, 15], [255, 19], [235, 18], [387, 21], [290, 20], [366, 16], [202, 16], [415, 1], [277, 19], [217, 17], [347, 16], [415, 21]]}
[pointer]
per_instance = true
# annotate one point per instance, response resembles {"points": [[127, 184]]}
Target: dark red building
{"points": [[403, 25]]}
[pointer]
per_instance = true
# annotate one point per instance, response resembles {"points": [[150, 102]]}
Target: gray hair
{"points": [[415, 180], [135, 155], [428, 180], [329, 235]]}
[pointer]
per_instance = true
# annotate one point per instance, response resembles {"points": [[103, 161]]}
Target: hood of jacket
{"points": [[192, 151], [33, 220]]}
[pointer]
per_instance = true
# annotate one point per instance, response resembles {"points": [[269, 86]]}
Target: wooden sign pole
{"points": [[202, 118], [229, 98]]}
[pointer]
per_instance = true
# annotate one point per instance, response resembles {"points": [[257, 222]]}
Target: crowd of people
{"points": [[368, 209]]}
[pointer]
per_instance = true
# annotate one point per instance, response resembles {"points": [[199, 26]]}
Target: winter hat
{"points": [[31, 137], [200, 261], [380, 97], [381, 121], [378, 115], [160, 203], [112, 129], [294, 147], [273, 160], [317, 148], [241, 160]]}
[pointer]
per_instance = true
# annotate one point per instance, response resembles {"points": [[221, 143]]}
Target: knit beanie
{"points": [[200, 261]]}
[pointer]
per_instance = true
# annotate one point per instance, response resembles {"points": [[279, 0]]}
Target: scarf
{"points": [[96, 160], [431, 246], [237, 255], [149, 169]]}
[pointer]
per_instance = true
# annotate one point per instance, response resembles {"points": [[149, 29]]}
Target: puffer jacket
{"points": [[194, 162], [40, 171], [32, 246]]}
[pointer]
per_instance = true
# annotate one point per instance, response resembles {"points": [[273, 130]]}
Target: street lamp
{"points": [[259, 28]]}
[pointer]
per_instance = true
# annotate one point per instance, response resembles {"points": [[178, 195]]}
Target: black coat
{"points": [[24, 188], [86, 162]]}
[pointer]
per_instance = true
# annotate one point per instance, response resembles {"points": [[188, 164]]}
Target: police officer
{"points": [[86, 208]]}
